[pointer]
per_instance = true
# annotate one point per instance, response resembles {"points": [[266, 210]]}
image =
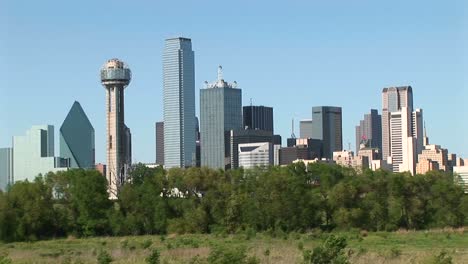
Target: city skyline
{"points": [[441, 95]]}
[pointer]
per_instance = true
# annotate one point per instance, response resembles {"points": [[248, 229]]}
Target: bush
{"points": [[153, 258], [147, 243], [394, 252], [442, 258], [4, 259], [104, 257], [331, 251]]}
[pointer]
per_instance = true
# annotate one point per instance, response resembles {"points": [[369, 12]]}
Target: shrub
{"points": [[4, 259], [153, 258], [266, 252], [147, 243], [104, 257], [394, 252], [442, 258], [228, 255], [331, 251], [300, 245]]}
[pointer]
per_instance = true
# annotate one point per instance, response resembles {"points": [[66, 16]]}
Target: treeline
{"points": [[200, 200]]}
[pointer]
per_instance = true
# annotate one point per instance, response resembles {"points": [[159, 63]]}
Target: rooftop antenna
{"points": [[220, 72], [292, 129]]}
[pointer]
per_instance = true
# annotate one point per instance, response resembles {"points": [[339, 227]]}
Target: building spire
{"points": [[425, 138], [220, 73]]}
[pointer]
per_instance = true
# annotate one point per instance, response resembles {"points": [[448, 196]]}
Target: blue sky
{"points": [[290, 55]]}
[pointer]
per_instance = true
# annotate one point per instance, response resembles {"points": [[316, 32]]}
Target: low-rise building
{"points": [[253, 155]]}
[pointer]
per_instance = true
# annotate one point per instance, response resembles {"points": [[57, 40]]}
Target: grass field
{"points": [[363, 247]]}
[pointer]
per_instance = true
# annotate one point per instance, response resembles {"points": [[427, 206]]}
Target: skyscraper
{"points": [[252, 155], [370, 131], [179, 103], [258, 117], [220, 111], [402, 129], [393, 99], [6, 167], [33, 154], [305, 128], [160, 143], [115, 76], [77, 138], [327, 127]]}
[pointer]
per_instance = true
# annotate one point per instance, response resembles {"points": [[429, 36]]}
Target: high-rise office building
{"points": [[402, 129], [6, 167], [160, 143], [393, 99], [305, 128], [253, 155], [77, 139], [33, 154], [220, 112], [418, 129], [179, 103], [115, 77], [258, 117], [243, 136], [327, 127], [369, 131]]}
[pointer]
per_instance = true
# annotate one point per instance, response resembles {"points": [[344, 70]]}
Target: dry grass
{"points": [[364, 247]]}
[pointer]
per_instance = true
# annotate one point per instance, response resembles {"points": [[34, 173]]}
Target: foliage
{"points": [[153, 258], [104, 257], [442, 258], [275, 200], [331, 251]]}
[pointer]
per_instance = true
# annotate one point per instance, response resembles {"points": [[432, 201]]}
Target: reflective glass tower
{"points": [[179, 103], [220, 111], [77, 138], [327, 127], [115, 76]]}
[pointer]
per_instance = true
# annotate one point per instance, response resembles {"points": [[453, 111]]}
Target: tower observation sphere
{"points": [[115, 71], [115, 76]]}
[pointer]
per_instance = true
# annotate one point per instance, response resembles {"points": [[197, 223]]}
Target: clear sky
{"points": [[290, 55]]}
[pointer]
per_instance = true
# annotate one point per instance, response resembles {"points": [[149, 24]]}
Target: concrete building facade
{"points": [[305, 128], [115, 77], [253, 155], [179, 103]]}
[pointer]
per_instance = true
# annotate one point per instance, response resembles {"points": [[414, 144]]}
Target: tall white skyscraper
{"points": [[179, 103], [402, 129]]}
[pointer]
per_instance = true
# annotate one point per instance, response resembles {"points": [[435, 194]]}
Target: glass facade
{"points": [[33, 154], [77, 138], [220, 111], [179, 103], [6, 167], [258, 117], [327, 127]]}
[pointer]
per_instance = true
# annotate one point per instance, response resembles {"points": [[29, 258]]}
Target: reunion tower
{"points": [[115, 76]]}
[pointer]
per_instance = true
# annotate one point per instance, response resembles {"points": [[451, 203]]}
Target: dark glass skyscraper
{"points": [[327, 127], [258, 117], [369, 130], [160, 143], [77, 138], [220, 111]]}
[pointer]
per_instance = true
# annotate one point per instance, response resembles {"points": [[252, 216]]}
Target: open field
{"points": [[363, 247]]}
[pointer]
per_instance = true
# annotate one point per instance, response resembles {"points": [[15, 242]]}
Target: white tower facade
{"points": [[115, 76]]}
